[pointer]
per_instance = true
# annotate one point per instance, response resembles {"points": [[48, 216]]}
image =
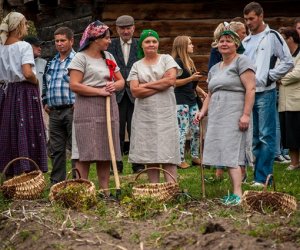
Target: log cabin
{"points": [[197, 19]]}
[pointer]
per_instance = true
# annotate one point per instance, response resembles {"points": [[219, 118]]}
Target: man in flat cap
{"points": [[124, 49], [40, 65]]}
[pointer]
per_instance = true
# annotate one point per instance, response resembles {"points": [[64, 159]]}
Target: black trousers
{"points": [[60, 138], [126, 108]]}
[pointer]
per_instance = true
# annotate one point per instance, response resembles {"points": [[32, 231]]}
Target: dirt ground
{"points": [[193, 225]]}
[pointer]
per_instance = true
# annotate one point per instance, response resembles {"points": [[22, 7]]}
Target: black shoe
{"points": [[119, 167], [137, 168]]}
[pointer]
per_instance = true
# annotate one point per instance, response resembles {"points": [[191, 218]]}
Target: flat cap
{"points": [[124, 20], [33, 40]]}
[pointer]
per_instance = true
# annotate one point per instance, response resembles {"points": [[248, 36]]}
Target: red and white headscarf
{"points": [[92, 32]]}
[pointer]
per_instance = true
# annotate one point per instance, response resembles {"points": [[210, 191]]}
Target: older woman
{"points": [[289, 100], [94, 75], [229, 103], [21, 122], [215, 57], [155, 136]]}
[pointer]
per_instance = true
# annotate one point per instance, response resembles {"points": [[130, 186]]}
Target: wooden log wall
{"points": [[197, 19]]}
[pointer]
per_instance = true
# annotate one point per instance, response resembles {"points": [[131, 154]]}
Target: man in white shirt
{"points": [[264, 46]]}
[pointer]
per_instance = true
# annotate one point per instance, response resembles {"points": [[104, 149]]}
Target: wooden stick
{"points": [[111, 146], [201, 127]]}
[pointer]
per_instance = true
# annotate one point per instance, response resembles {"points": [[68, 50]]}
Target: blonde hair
{"points": [[220, 28], [235, 26], [180, 49], [21, 29]]}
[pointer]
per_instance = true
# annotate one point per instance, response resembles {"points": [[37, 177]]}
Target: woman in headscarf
{"points": [[155, 135], [94, 75], [231, 85], [215, 57], [22, 129]]}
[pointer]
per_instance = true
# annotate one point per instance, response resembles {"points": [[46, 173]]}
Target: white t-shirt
{"points": [[12, 57], [252, 46]]}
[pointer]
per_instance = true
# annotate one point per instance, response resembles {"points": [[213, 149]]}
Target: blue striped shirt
{"points": [[56, 82]]}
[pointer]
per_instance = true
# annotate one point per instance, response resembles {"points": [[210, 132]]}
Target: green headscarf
{"points": [[236, 39], [143, 36]]}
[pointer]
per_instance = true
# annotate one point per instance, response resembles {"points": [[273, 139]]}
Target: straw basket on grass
{"points": [[76, 193], [264, 201], [160, 192], [27, 186]]}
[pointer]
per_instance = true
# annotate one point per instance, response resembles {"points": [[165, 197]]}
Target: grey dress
{"points": [[225, 144], [89, 132], [154, 135]]}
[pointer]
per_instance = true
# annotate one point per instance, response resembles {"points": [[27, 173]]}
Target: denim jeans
{"points": [[264, 133], [279, 149]]}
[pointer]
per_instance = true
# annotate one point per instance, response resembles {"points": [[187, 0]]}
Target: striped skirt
{"points": [[91, 130], [22, 129]]}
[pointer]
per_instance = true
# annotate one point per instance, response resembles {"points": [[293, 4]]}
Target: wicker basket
{"points": [[263, 201], [27, 186], [74, 201], [158, 191]]}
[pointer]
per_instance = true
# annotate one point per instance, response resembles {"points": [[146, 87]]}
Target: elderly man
{"points": [[124, 49]]}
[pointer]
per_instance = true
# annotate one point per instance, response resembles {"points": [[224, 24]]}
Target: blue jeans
{"points": [[264, 133], [279, 149]]}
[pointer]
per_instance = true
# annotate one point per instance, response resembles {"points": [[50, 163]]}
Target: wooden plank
{"points": [[201, 45], [201, 10], [194, 28]]}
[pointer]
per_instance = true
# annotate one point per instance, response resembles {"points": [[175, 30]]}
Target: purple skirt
{"points": [[22, 130]]}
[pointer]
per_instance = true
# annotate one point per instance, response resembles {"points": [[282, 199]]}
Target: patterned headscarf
{"points": [[91, 33], [143, 36], [9, 23], [235, 37]]}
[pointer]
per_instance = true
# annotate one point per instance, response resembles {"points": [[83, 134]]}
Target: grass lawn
{"points": [[190, 180], [186, 223]]}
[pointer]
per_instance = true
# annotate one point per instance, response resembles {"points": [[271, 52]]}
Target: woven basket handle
{"points": [[76, 170], [68, 175], [12, 161], [145, 170], [267, 182]]}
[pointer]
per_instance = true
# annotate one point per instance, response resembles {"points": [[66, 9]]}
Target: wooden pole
{"points": [[111, 147], [201, 127]]}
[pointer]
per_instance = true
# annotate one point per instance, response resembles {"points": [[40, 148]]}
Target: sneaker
{"points": [[287, 157], [280, 159], [257, 184], [291, 167], [231, 200]]}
